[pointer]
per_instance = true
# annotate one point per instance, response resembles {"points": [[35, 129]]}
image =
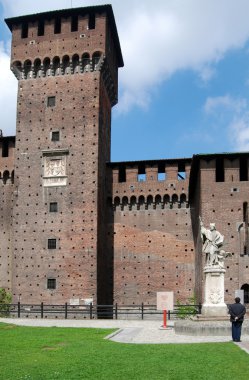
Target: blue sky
{"points": [[184, 89]]}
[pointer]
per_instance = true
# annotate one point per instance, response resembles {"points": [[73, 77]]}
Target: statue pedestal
{"points": [[214, 305]]}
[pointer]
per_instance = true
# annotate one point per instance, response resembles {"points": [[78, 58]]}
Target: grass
{"points": [[75, 353]]}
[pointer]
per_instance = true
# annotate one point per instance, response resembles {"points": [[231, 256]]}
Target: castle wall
{"points": [[152, 236], [75, 227], [223, 200], [7, 149]]}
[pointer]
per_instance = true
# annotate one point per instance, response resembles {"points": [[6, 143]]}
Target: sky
{"points": [[184, 89]]}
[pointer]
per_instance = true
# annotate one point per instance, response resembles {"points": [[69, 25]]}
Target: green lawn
{"points": [[68, 354]]}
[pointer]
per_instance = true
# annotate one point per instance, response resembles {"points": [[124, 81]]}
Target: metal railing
{"points": [[92, 311]]}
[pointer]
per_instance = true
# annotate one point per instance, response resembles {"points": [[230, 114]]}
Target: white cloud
{"points": [[233, 116], [239, 132], [8, 87], [224, 103], [159, 38]]}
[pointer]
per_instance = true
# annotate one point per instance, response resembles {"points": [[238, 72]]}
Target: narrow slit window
{"points": [[74, 23], [5, 148], [40, 31], [51, 283], [25, 30], [91, 21], [57, 25], [122, 174], [245, 220], [220, 174], [51, 243], [243, 169]]}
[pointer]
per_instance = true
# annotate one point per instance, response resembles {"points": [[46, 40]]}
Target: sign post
{"points": [[165, 301]]}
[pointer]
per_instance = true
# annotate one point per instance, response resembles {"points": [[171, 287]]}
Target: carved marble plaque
{"points": [[54, 170]]}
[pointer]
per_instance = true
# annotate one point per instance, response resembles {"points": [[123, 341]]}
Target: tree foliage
{"points": [[5, 301]]}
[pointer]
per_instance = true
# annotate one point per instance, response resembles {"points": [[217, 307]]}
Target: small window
{"points": [[220, 172], [51, 101], [51, 243], [40, 31], [53, 207], [57, 25], [122, 174], [243, 170], [25, 30], [5, 148], [55, 136], [74, 23], [51, 283], [91, 22]]}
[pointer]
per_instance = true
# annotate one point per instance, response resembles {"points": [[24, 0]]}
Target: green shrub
{"points": [[5, 301], [186, 310]]}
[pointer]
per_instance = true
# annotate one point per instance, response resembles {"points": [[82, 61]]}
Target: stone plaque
{"points": [[54, 170]]}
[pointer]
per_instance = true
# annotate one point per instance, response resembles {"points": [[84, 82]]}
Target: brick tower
{"points": [[66, 63]]}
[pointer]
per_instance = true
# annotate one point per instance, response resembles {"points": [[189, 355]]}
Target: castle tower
{"points": [[66, 63]]}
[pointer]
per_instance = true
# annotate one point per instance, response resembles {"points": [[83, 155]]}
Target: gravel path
{"points": [[137, 331]]}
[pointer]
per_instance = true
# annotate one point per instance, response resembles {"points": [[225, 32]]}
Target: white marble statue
{"points": [[213, 241]]}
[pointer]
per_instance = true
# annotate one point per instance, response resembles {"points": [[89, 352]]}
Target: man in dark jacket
{"points": [[237, 312]]}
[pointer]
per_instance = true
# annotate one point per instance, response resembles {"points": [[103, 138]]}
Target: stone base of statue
{"points": [[214, 305]]}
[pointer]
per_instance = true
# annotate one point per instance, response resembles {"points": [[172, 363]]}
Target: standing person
{"points": [[237, 312]]}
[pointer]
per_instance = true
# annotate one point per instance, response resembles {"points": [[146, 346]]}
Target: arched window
{"points": [[66, 64], [56, 66], [183, 200], [96, 60], [86, 62], [133, 202], [17, 69], [149, 201], [76, 64], [245, 287], [166, 201], [175, 200], [46, 67], [124, 202], [116, 202], [37, 68], [141, 202], [27, 69], [6, 176], [158, 201]]}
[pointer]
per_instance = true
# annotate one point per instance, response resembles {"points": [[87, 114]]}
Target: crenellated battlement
{"points": [[68, 42], [150, 184]]}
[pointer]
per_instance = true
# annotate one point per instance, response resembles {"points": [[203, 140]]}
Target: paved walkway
{"points": [[137, 331]]}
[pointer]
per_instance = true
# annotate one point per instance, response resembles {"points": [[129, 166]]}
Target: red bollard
{"points": [[164, 319]]}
